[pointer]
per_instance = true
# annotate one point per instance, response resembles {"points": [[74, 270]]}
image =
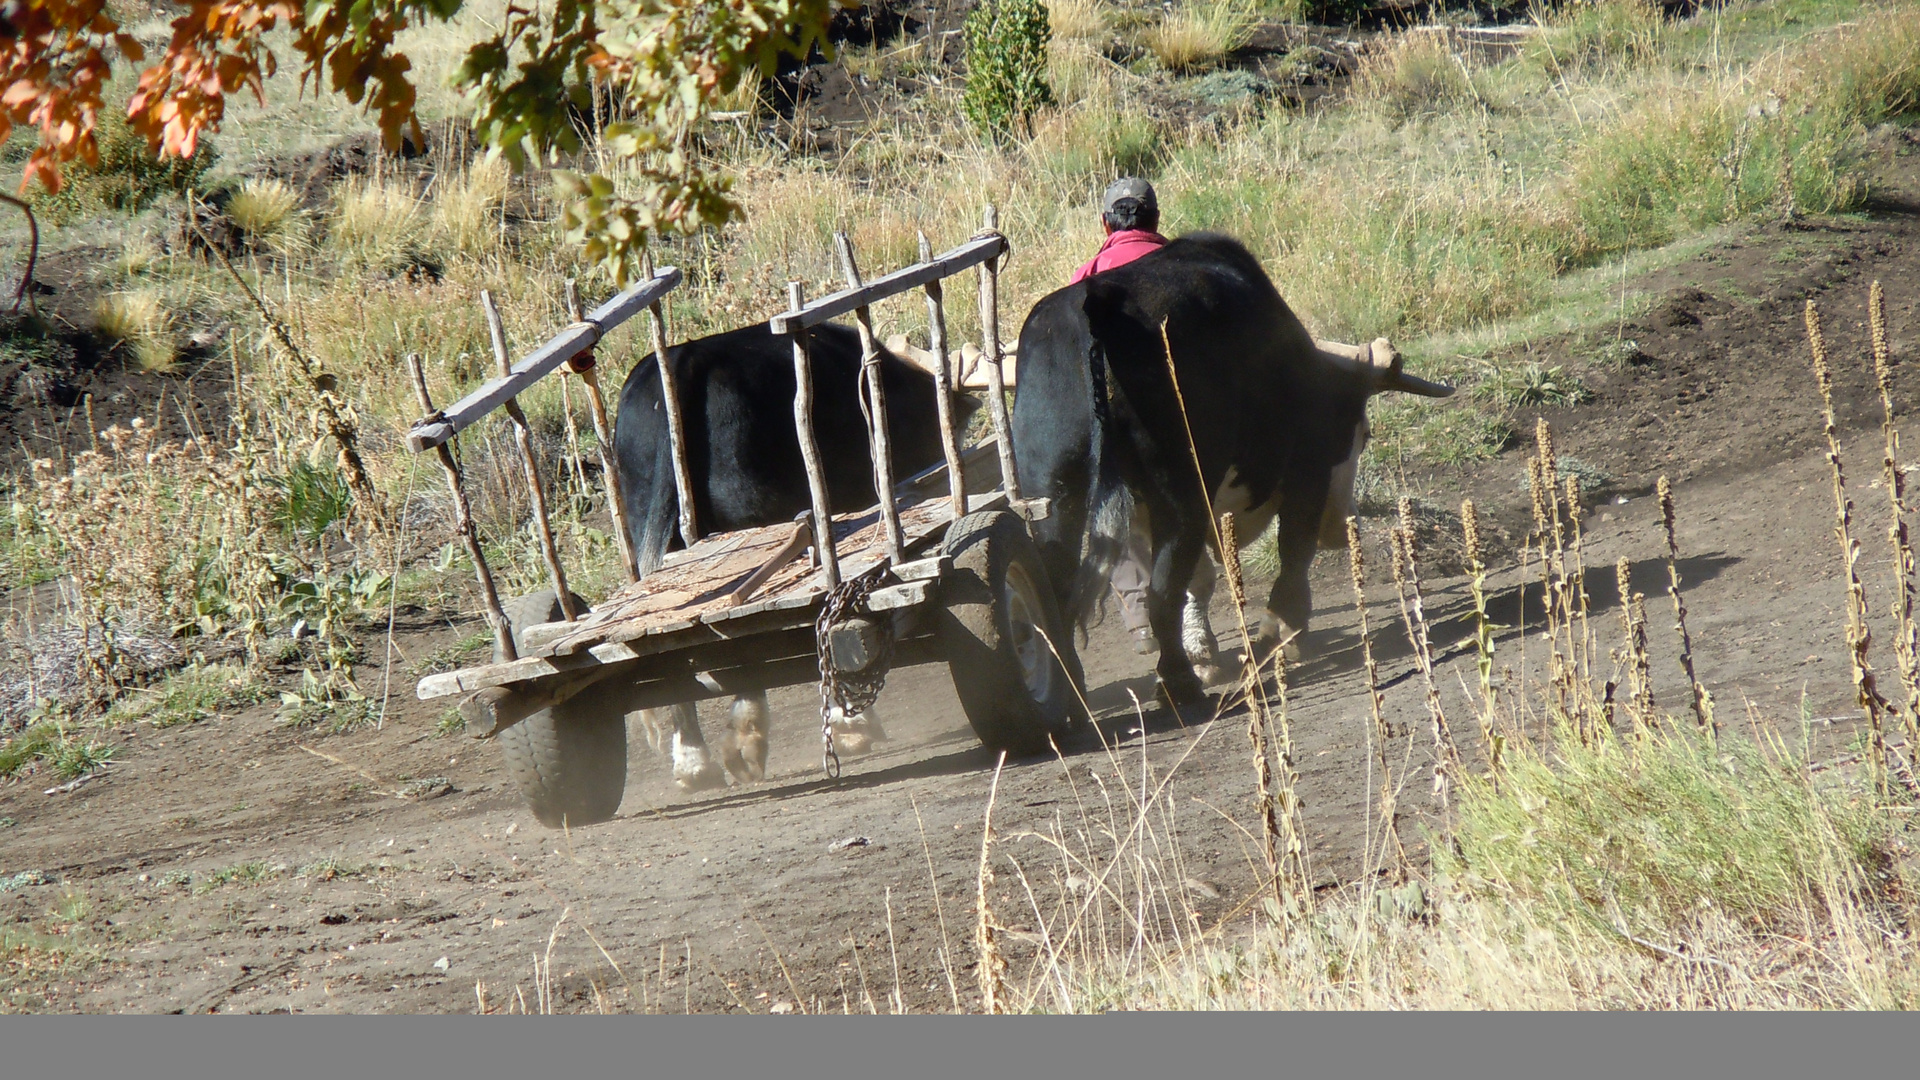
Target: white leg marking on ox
{"points": [[657, 724], [693, 766], [744, 749], [855, 735], [1196, 628]]}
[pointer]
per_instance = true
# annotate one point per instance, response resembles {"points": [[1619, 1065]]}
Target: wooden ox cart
{"points": [[943, 569]]}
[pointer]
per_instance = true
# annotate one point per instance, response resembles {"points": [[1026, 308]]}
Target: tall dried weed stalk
{"points": [[164, 536], [1702, 703], [1406, 578], [1906, 641], [1859, 636], [993, 965], [1258, 722], [1482, 631], [1380, 730]]}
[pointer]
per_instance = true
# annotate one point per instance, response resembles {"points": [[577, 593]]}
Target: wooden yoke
{"points": [[873, 402]]}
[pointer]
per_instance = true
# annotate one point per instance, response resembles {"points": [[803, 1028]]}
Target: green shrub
{"points": [[127, 178], [1006, 65], [311, 500], [193, 693]]}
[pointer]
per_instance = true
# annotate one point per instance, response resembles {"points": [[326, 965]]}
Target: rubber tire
{"points": [[990, 552], [570, 761]]}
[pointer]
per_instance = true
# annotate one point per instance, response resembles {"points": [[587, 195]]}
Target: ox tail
{"points": [[656, 514], [1110, 503]]}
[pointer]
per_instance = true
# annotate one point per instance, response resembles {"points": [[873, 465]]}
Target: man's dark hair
{"points": [[1131, 214]]}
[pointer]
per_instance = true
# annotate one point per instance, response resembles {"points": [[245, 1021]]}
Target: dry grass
{"points": [[1077, 20], [268, 211], [1586, 39], [1413, 74], [376, 224], [141, 322], [466, 208], [1199, 33]]}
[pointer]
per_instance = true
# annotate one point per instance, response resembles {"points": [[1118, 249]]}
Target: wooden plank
{"points": [[525, 669], [437, 428], [972, 253], [904, 595], [494, 710]]}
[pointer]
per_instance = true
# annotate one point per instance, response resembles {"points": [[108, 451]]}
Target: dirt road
{"points": [[237, 865]]}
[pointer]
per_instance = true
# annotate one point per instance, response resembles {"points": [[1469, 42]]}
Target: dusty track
{"points": [[701, 902]]}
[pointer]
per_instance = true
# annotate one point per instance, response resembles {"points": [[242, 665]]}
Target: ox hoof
{"points": [[1143, 641], [855, 736], [745, 757], [1290, 643], [694, 769], [1183, 692], [1212, 673]]}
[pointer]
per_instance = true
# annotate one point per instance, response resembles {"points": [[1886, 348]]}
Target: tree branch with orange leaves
{"points": [[667, 60]]}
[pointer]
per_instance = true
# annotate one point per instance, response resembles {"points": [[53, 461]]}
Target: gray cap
{"points": [[1129, 187]]}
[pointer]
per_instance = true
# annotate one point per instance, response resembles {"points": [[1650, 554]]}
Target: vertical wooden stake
{"points": [[810, 449], [603, 431], [463, 521], [676, 429], [990, 347], [528, 461], [943, 386], [575, 467], [874, 400]]}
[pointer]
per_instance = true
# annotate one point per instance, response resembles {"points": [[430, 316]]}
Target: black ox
{"points": [[1111, 430], [743, 456]]}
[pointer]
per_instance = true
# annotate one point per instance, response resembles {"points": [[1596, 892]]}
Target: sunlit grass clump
{"points": [[139, 322]]}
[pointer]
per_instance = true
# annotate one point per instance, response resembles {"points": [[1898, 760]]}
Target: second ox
{"points": [[1188, 358], [736, 402]]}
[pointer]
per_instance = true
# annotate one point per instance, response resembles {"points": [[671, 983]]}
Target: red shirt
{"points": [[1120, 249]]}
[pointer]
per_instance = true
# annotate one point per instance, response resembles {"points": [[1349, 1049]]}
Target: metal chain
{"points": [[854, 692]]}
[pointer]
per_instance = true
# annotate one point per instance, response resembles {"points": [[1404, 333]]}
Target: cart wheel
{"points": [[997, 617], [570, 761]]}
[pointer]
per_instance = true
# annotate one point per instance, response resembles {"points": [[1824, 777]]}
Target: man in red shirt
{"points": [[1131, 215]]}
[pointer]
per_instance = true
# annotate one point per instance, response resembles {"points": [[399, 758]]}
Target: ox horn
{"points": [[1389, 374]]}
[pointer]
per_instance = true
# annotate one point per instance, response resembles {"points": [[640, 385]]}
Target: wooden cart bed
{"points": [[690, 599]]}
